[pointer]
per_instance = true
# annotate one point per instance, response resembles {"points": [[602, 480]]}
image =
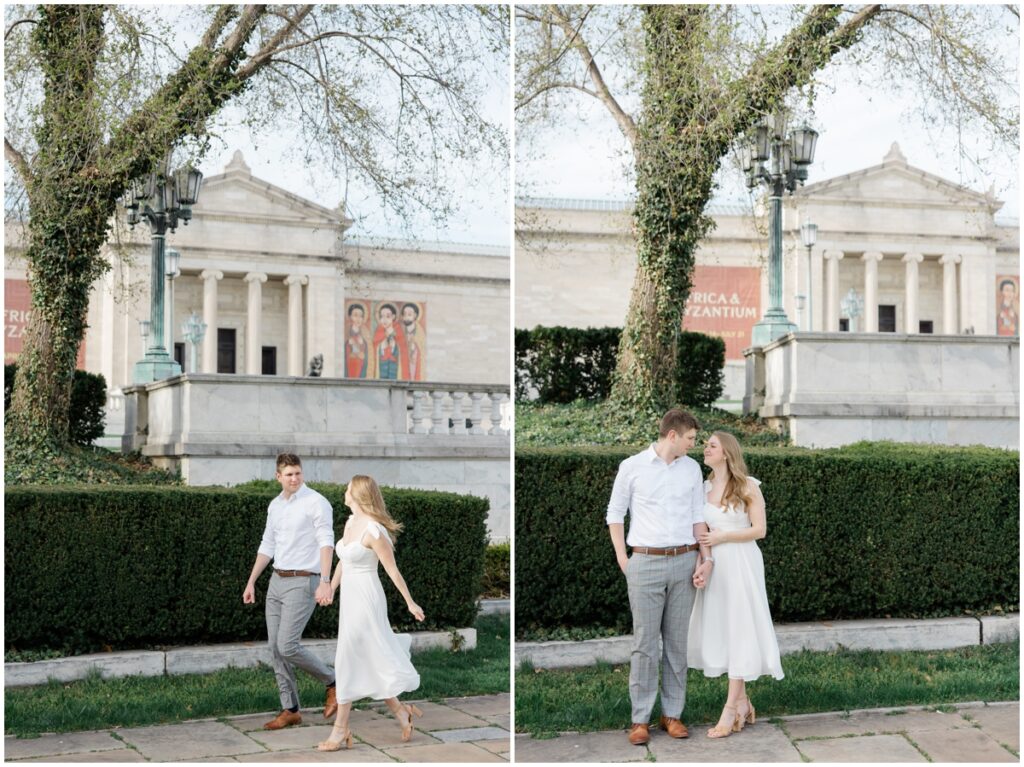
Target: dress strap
{"points": [[376, 529]]}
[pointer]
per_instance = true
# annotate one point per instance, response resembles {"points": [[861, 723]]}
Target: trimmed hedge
{"points": [[497, 571], [89, 568], [566, 364], [87, 412], [860, 532], [569, 364]]}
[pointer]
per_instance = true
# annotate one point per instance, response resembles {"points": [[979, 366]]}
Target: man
{"points": [[1008, 319], [299, 538], [414, 337], [663, 490]]}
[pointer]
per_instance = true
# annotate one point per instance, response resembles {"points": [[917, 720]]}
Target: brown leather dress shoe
{"points": [[331, 704], [673, 727], [285, 719], [638, 734]]}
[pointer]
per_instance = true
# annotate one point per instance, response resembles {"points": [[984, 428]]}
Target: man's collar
{"points": [[301, 491]]}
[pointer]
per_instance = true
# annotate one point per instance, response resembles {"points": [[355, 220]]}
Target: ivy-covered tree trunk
{"points": [[70, 204], [687, 125], [73, 185]]}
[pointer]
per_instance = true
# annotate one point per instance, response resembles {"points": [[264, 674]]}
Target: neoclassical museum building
{"points": [[278, 280], [921, 254]]}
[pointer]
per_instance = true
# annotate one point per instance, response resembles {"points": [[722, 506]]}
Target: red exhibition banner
{"points": [[725, 301], [17, 312]]}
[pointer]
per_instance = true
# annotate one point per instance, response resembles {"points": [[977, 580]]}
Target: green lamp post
{"points": [[164, 200], [780, 162]]}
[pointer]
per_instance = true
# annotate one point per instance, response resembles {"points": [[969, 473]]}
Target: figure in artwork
{"points": [[1008, 311], [357, 343], [415, 342], [389, 344]]}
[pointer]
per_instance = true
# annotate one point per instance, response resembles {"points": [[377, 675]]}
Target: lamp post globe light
{"points": [[780, 161], [193, 329], [809, 236], [163, 199], [853, 307]]}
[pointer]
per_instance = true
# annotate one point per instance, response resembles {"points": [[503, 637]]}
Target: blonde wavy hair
{"points": [[366, 493], [736, 491]]}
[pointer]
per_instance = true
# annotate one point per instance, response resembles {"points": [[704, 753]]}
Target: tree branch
{"points": [[16, 23], [626, 123], [554, 86], [262, 56], [224, 16], [17, 159], [791, 63]]}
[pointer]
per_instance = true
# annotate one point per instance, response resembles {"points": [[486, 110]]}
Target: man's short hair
{"points": [[413, 307], [353, 307], [678, 421], [285, 460]]}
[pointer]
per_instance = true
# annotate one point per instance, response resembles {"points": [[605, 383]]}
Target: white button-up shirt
{"points": [[297, 529], [665, 500]]}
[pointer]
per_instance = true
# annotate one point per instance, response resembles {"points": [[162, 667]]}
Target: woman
{"points": [[372, 661], [731, 627]]}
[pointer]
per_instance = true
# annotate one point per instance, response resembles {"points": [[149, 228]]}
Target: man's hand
{"points": [[702, 573], [623, 561], [324, 594], [249, 595]]}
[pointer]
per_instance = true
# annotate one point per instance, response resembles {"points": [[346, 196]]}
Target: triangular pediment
{"points": [[236, 192], [896, 181]]}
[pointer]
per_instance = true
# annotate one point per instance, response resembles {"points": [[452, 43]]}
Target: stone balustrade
{"points": [[468, 410]]}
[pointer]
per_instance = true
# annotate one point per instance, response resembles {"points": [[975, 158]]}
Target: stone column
{"points": [[295, 362], [871, 291], [253, 329], [210, 277], [831, 303], [911, 317], [949, 262]]}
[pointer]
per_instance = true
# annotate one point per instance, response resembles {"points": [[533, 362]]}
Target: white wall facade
{"points": [[575, 259]]}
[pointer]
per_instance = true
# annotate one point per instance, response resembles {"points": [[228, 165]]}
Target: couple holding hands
{"points": [[371, 660], [695, 577]]}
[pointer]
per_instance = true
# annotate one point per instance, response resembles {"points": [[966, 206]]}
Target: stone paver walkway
{"points": [[973, 732], [474, 729]]}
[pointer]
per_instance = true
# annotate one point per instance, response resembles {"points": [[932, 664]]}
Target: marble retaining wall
{"points": [[228, 429], [832, 389]]}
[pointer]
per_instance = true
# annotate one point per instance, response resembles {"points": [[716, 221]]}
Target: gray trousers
{"points": [[290, 603], [661, 595]]}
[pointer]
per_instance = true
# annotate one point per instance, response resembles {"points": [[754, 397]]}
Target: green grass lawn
{"points": [[135, 701], [597, 698], [597, 423]]}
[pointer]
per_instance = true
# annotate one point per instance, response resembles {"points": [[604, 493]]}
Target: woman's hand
{"points": [[416, 610], [711, 538]]}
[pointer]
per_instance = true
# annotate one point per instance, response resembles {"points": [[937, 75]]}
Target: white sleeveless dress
{"points": [[731, 628], [372, 661]]}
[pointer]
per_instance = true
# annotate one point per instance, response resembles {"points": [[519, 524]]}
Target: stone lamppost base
{"points": [[773, 326], [155, 368]]}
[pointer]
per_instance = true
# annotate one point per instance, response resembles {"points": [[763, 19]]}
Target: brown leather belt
{"points": [[665, 552], [293, 573]]}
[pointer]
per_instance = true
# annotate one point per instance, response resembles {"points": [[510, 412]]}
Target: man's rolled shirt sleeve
{"points": [[269, 543], [323, 524], [618, 505]]}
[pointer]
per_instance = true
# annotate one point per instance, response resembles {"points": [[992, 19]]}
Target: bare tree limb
{"points": [[625, 122], [273, 45], [555, 86], [17, 159], [224, 16], [16, 23]]}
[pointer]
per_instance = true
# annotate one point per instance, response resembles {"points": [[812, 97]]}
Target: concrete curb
{"points": [[495, 606], [880, 634], [193, 660]]}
